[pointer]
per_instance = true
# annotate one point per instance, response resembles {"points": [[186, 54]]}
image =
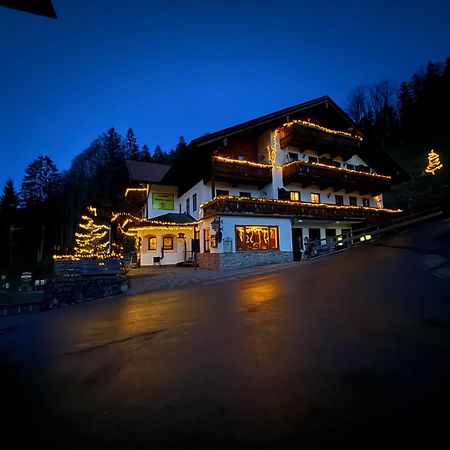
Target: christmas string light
{"points": [[339, 169], [296, 203], [135, 190], [434, 163], [242, 162], [321, 128]]}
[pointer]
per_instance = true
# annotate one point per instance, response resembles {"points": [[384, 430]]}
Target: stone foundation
{"points": [[230, 261], [63, 291]]}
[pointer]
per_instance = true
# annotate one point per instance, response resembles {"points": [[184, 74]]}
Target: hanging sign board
{"points": [[162, 200]]}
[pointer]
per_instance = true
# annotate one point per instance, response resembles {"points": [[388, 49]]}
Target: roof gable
{"points": [[146, 172]]}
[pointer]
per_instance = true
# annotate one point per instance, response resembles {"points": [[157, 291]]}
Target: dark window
{"points": [[194, 202], [180, 207], [188, 206], [353, 201], [313, 159], [256, 237], [245, 194], [222, 193], [241, 157], [350, 166], [152, 243], [293, 156], [366, 202], [168, 243], [339, 199]]}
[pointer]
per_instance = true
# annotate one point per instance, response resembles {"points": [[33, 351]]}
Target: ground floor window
{"points": [[222, 193], [168, 243], [206, 240], [256, 237], [315, 198], [152, 243], [353, 201], [294, 196], [366, 202]]}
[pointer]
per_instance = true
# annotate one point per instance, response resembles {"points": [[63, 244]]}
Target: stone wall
{"points": [[65, 290], [209, 260], [230, 261]]}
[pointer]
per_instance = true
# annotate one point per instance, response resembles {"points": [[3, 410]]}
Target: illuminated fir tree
{"points": [[434, 163], [92, 238]]}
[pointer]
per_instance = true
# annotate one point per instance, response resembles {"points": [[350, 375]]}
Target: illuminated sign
{"points": [[162, 200]]}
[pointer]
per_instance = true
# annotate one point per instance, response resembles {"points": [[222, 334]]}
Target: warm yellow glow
{"points": [[434, 163], [135, 190], [256, 237], [379, 201], [321, 128], [92, 210], [339, 169], [272, 148], [86, 256], [294, 203], [242, 162]]}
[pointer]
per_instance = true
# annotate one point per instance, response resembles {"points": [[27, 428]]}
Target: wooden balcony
{"points": [[327, 176], [241, 172], [303, 210], [307, 137]]}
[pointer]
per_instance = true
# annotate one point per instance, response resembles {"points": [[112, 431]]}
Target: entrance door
{"points": [[297, 243], [330, 234], [314, 234]]}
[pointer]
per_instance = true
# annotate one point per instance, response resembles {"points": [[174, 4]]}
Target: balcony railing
{"points": [[272, 207], [241, 172], [312, 138], [328, 176]]}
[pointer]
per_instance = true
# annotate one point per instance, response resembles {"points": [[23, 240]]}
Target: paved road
{"points": [[350, 350]]}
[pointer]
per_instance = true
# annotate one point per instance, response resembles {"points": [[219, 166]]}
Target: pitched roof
{"points": [[146, 172], [174, 217], [269, 119]]}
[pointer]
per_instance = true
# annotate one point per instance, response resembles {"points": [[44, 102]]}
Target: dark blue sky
{"points": [[167, 68]]}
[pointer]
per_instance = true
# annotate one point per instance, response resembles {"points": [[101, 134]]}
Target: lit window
{"points": [[315, 198], [206, 240], [168, 243], [194, 202], [256, 237], [295, 196], [152, 243]]}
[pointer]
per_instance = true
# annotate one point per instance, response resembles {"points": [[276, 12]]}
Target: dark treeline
{"points": [[392, 116], [41, 217]]}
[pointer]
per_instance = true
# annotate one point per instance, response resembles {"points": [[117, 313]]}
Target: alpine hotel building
{"points": [[253, 192]]}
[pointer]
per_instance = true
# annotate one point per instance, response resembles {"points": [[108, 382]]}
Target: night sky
{"points": [[167, 68]]}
